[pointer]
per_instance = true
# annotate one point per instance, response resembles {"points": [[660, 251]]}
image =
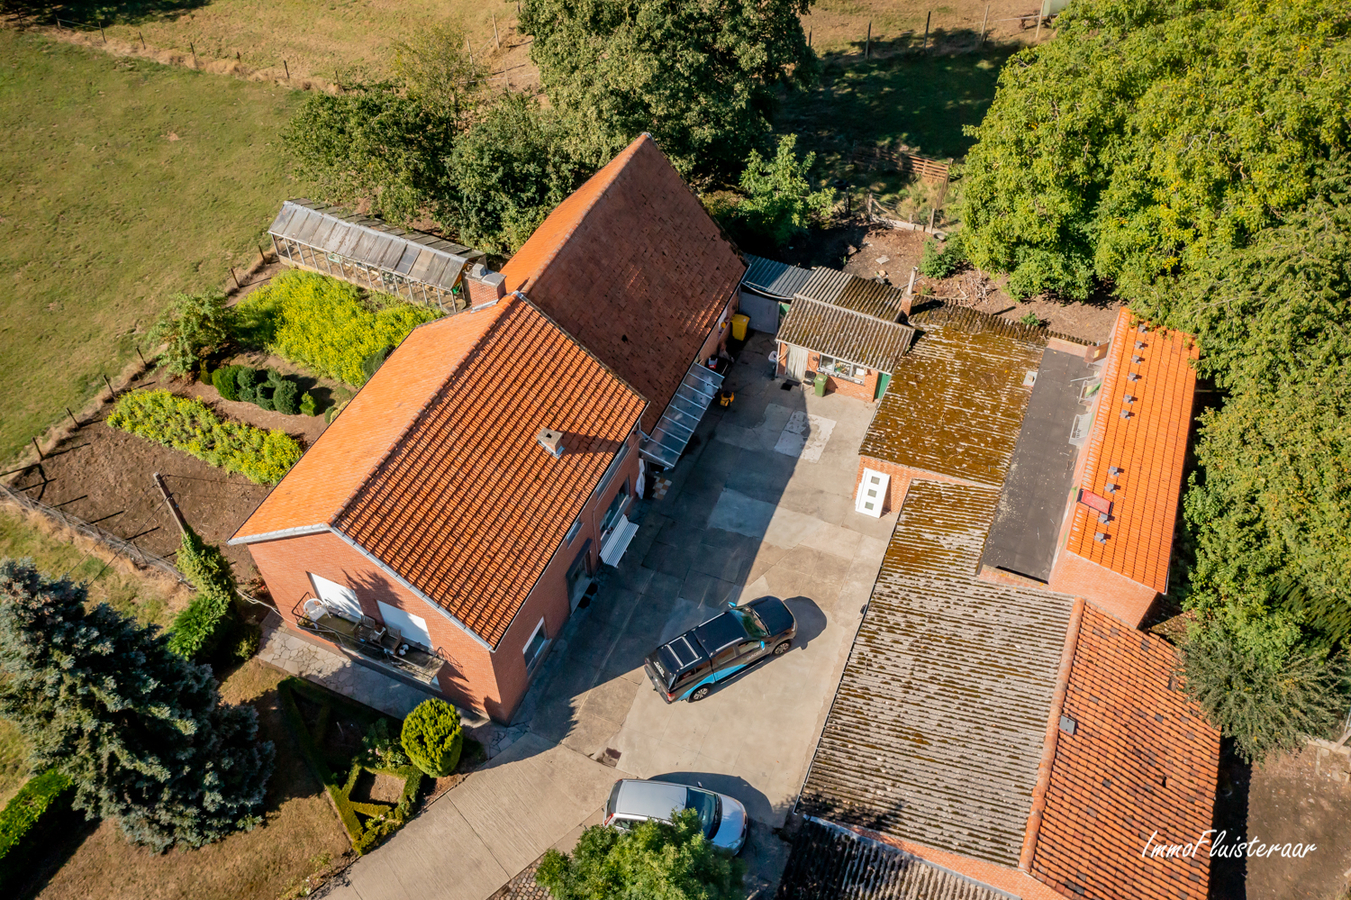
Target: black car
{"points": [[689, 666]]}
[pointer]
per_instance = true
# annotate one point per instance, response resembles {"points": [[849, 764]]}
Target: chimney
{"points": [[908, 300], [483, 287], [551, 441]]}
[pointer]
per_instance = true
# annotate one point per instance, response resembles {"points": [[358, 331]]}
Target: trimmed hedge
{"points": [[197, 631], [43, 798], [367, 824], [432, 737], [327, 326], [192, 427]]}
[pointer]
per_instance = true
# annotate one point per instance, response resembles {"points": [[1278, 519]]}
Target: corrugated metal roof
{"points": [[373, 243], [957, 399], [873, 298], [825, 285], [828, 862], [845, 334], [773, 278], [936, 730]]}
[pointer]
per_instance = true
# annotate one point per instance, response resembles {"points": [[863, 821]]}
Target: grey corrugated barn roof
{"points": [[956, 400], [415, 255], [773, 278], [833, 863], [845, 334], [862, 295], [936, 730]]}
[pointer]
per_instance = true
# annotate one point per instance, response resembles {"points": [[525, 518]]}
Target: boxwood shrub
{"points": [[196, 632], [432, 737], [192, 427]]}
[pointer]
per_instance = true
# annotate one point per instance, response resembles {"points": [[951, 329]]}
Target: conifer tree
{"points": [[140, 731]]}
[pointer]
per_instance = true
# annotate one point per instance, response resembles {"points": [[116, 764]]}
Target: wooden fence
{"points": [[905, 163], [114, 543]]}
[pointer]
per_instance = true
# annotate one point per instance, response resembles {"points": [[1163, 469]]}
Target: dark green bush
{"points": [[226, 381], [374, 361], [432, 737], [43, 797], [284, 398], [308, 405], [939, 261]]}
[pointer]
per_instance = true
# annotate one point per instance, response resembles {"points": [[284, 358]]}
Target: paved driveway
{"points": [[762, 504]]}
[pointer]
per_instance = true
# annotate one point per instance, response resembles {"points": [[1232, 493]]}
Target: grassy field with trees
{"points": [[124, 181], [1194, 158]]}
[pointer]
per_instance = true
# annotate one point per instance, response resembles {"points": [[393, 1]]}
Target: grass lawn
{"points": [[151, 599], [300, 836], [121, 182], [316, 39]]}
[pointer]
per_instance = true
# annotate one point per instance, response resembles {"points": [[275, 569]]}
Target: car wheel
{"points": [[699, 694], [783, 648]]}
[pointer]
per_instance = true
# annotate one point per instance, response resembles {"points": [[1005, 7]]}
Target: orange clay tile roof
{"points": [[463, 503], [633, 267], [1149, 448], [347, 452], [1141, 759]]}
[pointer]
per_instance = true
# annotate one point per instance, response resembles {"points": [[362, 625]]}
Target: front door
{"points": [[796, 364], [579, 575]]}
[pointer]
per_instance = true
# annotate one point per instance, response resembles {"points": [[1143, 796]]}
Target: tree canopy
{"points": [[140, 731], [697, 74], [651, 861], [1149, 136]]}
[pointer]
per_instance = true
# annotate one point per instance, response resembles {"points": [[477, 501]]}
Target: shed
{"points": [[767, 289], [847, 327], [413, 265]]}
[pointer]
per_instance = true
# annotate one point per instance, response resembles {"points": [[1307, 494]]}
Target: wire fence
{"points": [[119, 546]]}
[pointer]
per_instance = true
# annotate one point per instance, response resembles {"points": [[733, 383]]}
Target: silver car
{"points": [[723, 818]]}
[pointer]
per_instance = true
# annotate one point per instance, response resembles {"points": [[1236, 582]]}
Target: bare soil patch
{"points": [[1299, 797], [377, 787], [102, 475], [887, 254]]}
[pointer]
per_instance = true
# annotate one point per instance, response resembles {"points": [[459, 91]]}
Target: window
{"points": [[572, 532], [617, 506], [413, 628], [534, 648], [338, 598], [725, 656], [838, 368]]}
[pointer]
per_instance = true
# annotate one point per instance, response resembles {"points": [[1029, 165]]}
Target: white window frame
{"points": [[572, 532], [842, 369], [530, 663], [613, 467]]}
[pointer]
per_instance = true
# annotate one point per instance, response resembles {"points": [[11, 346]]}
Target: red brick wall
{"points": [[1110, 592], [285, 564], [490, 682], [717, 338], [867, 391], [901, 476]]}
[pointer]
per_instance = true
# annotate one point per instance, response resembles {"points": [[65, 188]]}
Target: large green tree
{"points": [[510, 170], [1149, 136], [140, 731], [651, 861], [699, 75]]}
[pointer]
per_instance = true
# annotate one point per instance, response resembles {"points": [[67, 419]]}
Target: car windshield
{"points": [[749, 621], [708, 808]]}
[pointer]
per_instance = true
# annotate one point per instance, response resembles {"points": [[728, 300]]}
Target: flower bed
{"points": [[191, 426]]}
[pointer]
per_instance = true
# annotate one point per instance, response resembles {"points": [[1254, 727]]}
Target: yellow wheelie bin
{"points": [[739, 325]]}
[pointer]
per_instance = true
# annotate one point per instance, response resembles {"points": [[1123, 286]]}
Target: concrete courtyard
{"points": [[762, 503]]}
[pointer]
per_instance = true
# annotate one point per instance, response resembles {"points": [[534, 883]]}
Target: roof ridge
{"points": [[618, 164], [417, 417]]}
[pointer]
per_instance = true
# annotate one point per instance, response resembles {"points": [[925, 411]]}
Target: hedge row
{"points": [[197, 630], [381, 819], [43, 798], [192, 427], [266, 388], [325, 325]]}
